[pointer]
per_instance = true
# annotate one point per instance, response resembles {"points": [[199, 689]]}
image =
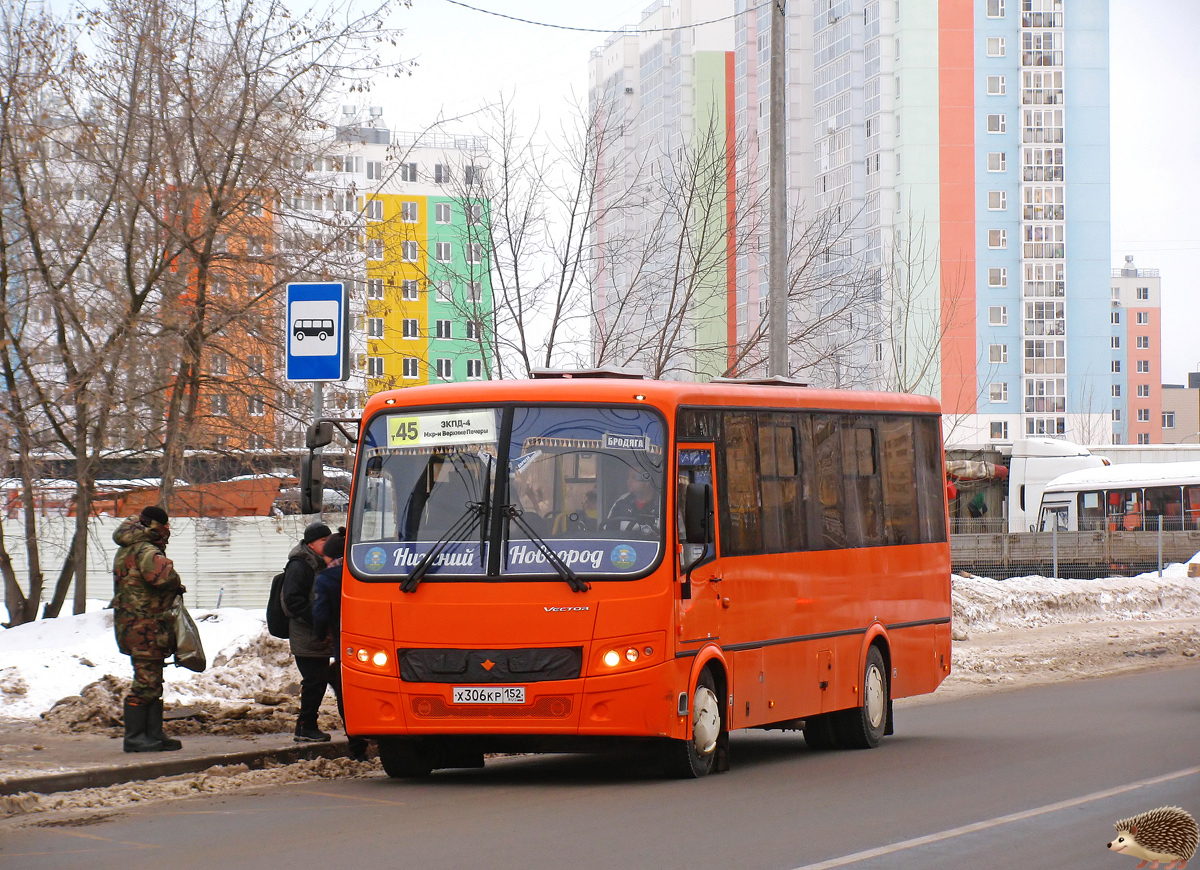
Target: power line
{"points": [[603, 29]]}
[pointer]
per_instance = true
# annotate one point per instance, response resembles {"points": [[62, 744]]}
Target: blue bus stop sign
{"points": [[318, 335]]}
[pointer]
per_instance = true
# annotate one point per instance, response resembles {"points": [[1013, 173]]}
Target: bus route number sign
{"points": [[426, 430]]}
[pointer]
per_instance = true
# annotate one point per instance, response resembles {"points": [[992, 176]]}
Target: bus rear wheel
{"points": [[696, 756], [405, 759], [862, 727]]}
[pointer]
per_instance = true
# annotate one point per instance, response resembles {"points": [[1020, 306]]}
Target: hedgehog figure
{"points": [[1167, 835]]}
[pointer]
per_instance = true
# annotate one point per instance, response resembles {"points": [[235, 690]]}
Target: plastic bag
{"points": [[189, 652]]}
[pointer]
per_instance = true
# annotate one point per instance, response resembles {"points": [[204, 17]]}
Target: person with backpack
{"points": [[327, 622], [145, 586], [311, 651]]}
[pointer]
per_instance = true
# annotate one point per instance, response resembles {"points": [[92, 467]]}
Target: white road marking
{"points": [[996, 822]]}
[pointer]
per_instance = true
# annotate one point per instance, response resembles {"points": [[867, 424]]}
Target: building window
{"points": [[998, 277], [1168, 420], [408, 290], [375, 210], [473, 175], [475, 292], [410, 212], [997, 200], [1143, 367], [442, 213], [475, 253], [1116, 366], [1115, 341], [374, 288], [411, 367], [256, 442], [1143, 318], [1141, 293], [408, 251], [443, 329], [474, 369], [995, 46], [1116, 391], [998, 315], [997, 161], [996, 123], [1115, 317], [411, 329], [375, 367], [374, 170], [441, 173], [1143, 438], [1143, 391], [255, 366], [408, 172], [1116, 294], [473, 330], [257, 406], [443, 251], [998, 392], [219, 365], [1116, 415], [995, 86], [1143, 342], [475, 215], [998, 429], [254, 206], [1143, 415], [997, 353], [374, 249], [220, 404], [995, 8], [254, 246], [997, 239], [441, 291], [445, 368], [375, 327]]}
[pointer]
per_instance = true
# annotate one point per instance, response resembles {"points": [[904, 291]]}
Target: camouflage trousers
{"points": [[147, 679]]}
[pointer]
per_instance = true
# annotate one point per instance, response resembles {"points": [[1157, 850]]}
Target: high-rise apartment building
{"points": [[954, 154], [1137, 396]]}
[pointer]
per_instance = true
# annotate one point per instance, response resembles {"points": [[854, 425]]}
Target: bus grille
{"points": [[546, 707]]}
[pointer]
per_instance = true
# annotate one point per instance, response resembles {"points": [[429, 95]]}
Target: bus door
{"points": [[697, 577]]}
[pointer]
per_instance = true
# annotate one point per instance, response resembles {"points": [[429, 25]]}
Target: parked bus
{"points": [[1124, 498], [568, 563]]}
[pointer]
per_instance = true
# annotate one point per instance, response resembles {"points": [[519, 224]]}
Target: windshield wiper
{"points": [[513, 513], [474, 511]]}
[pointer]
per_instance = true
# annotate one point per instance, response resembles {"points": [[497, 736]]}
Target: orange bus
{"points": [[562, 563]]}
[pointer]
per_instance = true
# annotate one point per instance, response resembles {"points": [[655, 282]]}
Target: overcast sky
{"points": [[465, 58]]}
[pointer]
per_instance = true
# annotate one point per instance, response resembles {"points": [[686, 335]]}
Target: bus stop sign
{"points": [[318, 336]]}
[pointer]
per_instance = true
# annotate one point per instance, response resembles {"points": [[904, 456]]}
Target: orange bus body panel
{"points": [[794, 628]]}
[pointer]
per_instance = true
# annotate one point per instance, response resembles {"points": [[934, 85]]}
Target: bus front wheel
{"points": [[404, 759], [862, 727], [697, 755]]}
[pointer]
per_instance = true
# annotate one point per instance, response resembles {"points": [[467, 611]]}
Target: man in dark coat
{"points": [[327, 622], [145, 586], [312, 651]]}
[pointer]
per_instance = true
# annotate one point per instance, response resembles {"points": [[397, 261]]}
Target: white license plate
{"points": [[489, 694]]}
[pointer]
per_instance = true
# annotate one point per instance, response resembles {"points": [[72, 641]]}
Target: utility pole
{"points": [[777, 271]]}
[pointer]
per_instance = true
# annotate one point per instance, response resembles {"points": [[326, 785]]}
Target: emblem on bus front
{"points": [[375, 559], [623, 556]]}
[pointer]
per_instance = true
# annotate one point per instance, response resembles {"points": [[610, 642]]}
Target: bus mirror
{"points": [[319, 434], [697, 513], [312, 484]]}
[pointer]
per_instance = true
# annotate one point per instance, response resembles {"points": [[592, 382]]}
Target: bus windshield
{"points": [[582, 484]]}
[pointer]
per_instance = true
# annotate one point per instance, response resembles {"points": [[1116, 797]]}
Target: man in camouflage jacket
{"points": [[145, 585]]}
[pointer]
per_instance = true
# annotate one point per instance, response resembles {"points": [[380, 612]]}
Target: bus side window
{"points": [[741, 527], [1192, 507], [782, 510], [899, 480], [864, 491], [827, 456], [931, 484], [1091, 515]]}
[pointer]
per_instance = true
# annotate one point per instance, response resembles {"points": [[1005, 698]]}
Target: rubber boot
{"points": [[136, 738], [154, 726]]}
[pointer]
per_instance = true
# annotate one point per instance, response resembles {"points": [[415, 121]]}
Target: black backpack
{"points": [[278, 621]]}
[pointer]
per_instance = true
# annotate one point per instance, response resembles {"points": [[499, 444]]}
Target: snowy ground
{"points": [[67, 675]]}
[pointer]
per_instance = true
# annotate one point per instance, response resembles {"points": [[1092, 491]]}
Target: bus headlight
{"points": [[380, 659], [362, 655], [631, 655], [612, 658]]}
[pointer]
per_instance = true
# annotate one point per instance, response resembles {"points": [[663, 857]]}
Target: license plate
{"points": [[489, 694]]}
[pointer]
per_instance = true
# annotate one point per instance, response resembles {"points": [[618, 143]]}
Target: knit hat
{"points": [[153, 513], [315, 532], [335, 546]]}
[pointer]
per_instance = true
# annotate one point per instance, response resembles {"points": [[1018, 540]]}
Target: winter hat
{"points": [[335, 546], [315, 532], [153, 513]]}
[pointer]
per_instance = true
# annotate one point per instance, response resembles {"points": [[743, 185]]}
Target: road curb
{"points": [[100, 777]]}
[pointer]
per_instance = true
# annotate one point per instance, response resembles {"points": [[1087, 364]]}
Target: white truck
{"points": [[1035, 462]]}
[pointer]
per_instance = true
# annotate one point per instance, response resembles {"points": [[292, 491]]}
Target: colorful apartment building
{"points": [[1136, 386]]}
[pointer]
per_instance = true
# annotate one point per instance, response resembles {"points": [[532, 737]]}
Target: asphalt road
{"points": [[1028, 778]]}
